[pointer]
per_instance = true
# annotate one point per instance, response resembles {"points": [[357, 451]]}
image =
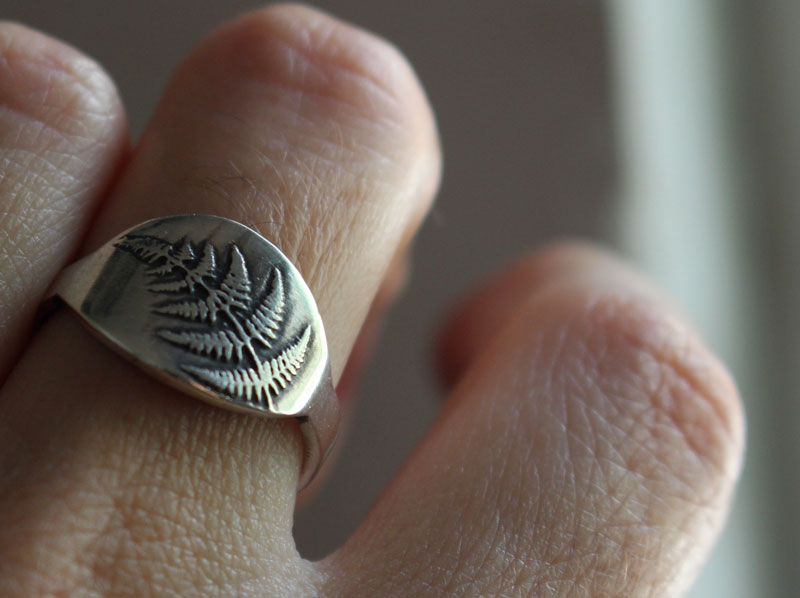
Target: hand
{"points": [[589, 443]]}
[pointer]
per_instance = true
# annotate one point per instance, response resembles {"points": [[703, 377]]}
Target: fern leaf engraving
{"points": [[280, 370], [222, 344], [236, 382], [151, 250], [236, 290], [207, 266], [166, 268], [200, 310], [184, 251], [234, 323], [266, 321], [262, 383], [169, 286], [164, 258]]}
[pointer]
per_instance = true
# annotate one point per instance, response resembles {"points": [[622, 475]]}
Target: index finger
{"points": [[589, 447]]}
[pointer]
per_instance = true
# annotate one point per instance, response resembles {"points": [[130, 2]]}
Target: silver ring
{"points": [[211, 307]]}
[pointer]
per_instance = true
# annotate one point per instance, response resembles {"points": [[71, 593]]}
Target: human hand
{"points": [[588, 445]]}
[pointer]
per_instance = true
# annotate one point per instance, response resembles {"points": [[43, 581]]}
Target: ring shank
{"points": [[319, 427]]}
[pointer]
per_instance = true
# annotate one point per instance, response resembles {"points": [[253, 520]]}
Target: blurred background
{"points": [[666, 128]]}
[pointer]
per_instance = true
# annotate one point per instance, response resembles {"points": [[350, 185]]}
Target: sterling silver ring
{"points": [[211, 307]]}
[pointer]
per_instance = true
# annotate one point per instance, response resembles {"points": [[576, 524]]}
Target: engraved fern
{"points": [[268, 379], [233, 323]]}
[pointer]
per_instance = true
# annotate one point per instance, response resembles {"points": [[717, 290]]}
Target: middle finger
{"points": [[318, 136]]}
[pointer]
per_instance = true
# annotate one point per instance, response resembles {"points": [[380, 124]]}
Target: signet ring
{"points": [[214, 309]]}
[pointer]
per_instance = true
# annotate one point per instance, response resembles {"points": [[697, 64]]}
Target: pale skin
{"points": [[588, 443]]}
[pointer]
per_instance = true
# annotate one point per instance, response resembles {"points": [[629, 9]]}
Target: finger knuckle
{"points": [[54, 85], [325, 62], [328, 113], [663, 389], [652, 425]]}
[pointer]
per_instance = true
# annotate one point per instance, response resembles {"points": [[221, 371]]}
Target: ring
{"points": [[211, 307]]}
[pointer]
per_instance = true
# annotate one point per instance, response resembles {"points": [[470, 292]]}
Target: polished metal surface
{"points": [[214, 309]]}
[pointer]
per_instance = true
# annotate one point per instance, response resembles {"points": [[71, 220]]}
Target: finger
{"points": [[589, 450], [314, 133], [62, 135], [338, 171], [484, 312]]}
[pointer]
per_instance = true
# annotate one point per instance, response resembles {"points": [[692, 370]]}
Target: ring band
{"points": [[211, 307]]}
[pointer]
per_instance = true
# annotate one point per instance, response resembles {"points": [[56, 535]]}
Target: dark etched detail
{"points": [[233, 323]]}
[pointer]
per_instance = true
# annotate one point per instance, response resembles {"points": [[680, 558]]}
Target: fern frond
{"points": [[239, 383], [163, 270], [207, 266], [280, 370], [262, 382], [151, 250], [221, 344], [169, 286], [215, 292], [200, 310], [236, 289], [162, 258], [267, 318], [183, 251]]}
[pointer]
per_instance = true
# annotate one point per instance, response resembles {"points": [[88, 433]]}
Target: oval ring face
{"points": [[214, 308]]}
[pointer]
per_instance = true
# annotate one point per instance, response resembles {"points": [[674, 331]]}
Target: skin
{"points": [[589, 448]]}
